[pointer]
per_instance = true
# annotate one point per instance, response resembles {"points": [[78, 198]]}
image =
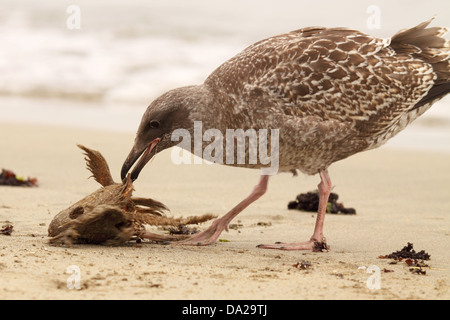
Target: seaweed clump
{"points": [[310, 202], [9, 178], [407, 252], [414, 260], [7, 229]]}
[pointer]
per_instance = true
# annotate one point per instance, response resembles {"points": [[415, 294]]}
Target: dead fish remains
{"points": [[110, 215]]}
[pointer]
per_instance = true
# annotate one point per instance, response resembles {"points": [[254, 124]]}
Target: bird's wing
{"points": [[331, 73]]}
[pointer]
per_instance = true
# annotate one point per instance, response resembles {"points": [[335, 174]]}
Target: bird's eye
{"points": [[154, 124]]}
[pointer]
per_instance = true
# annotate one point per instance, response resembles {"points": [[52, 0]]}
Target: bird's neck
{"points": [[195, 99], [199, 101], [213, 109]]}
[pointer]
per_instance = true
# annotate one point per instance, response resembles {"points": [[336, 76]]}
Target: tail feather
{"points": [[427, 44], [442, 70], [436, 93]]}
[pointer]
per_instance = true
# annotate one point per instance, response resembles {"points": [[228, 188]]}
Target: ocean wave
{"points": [[126, 53], [49, 63]]}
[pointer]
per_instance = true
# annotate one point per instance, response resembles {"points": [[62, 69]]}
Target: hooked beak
{"points": [[134, 156]]}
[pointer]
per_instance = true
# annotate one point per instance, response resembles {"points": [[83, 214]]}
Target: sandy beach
{"points": [[84, 72], [400, 197]]}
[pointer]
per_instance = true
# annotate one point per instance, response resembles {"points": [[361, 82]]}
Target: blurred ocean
{"points": [[127, 52]]}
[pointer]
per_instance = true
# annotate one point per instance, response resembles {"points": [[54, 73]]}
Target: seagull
{"points": [[331, 93]]}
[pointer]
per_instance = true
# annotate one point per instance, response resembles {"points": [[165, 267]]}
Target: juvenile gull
{"points": [[331, 92]]}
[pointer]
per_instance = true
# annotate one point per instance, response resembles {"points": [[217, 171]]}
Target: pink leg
{"points": [[211, 234], [317, 241]]}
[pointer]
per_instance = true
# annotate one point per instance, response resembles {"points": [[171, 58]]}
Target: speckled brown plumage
{"points": [[332, 92]]}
